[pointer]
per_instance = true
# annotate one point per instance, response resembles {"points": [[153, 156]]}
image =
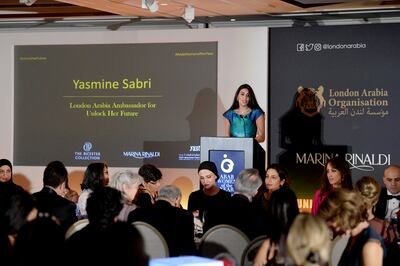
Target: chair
{"points": [[154, 243], [250, 251], [223, 238], [75, 227], [338, 246]]}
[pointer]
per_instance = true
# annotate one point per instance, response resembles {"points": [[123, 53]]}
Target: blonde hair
{"points": [[369, 189], [308, 241], [344, 208]]}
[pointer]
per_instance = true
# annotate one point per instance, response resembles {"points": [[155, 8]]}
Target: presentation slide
{"points": [[125, 104], [334, 91]]}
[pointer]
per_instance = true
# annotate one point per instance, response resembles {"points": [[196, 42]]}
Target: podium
{"points": [[231, 155]]}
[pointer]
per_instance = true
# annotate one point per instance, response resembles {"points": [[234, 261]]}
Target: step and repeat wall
{"points": [[333, 91]]}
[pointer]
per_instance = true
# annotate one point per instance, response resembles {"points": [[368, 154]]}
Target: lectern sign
{"points": [[229, 164]]}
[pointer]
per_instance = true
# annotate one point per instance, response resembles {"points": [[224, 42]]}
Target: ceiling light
{"points": [[27, 2], [151, 5], [189, 13]]}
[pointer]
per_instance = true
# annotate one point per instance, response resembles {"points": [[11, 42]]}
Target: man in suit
{"points": [[389, 198], [175, 224], [50, 200], [239, 210]]}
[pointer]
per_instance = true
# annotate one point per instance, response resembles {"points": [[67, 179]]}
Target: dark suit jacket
{"points": [[240, 213], [64, 210], [175, 224], [381, 206]]}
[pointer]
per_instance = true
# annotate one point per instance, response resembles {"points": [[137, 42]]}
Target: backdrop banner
{"points": [[333, 91]]}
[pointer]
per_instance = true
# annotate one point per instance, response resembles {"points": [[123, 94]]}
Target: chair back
{"points": [[338, 246], [250, 251], [223, 238], [154, 243], [75, 227]]}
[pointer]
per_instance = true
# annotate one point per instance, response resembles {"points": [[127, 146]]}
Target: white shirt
{"points": [[392, 204]]}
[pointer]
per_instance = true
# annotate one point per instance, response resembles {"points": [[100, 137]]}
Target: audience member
{"points": [[209, 195], [175, 224], [276, 177], [39, 242], [345, 213], [389, 199], [308, 241], [51, 198], [17, 210], [239, 210], [148, 191], [96, 175], [7, 185], [369, 190], [336, 175], [103, 206], [122, 244], [70, 194], [281, 213], [128, 183]]}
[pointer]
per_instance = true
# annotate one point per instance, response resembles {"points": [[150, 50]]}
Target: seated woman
{"points": [[336, 175], [345, 213], [96, 176], [209, 195], [369, 189], [276, 177], [128, 183], [148, 191], [281, 213], [308, 241], [7, 185]]}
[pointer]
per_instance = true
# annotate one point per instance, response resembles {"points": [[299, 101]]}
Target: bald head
{"points": [[391, 179]]}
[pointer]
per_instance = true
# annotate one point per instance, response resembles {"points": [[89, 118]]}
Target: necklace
{"points": [[243, 112]]}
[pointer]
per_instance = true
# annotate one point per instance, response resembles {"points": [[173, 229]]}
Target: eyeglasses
{"points": [[2, 172]]}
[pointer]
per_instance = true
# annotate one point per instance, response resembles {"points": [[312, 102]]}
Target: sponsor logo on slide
{"points": [[141, 154], [192, 155], [87, 154]]}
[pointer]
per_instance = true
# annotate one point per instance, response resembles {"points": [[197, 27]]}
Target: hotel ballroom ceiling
{"points": [[116, 13]]}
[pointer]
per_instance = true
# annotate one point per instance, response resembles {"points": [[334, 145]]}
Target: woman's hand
{"points": [[265, 253]]}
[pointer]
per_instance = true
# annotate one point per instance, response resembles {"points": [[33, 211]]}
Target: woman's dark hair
{"points": [[283, 174], [16, 209], [150, 173], [343, 167], [253, 104], [282, 209], [94, 176], [40, 236], [103, 205], [6, 162]]}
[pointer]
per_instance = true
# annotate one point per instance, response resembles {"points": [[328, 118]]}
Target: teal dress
{"points": [[243, 126]]}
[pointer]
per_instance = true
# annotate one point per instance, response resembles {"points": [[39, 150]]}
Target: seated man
{"points": [[389, 198], [51, 198], [175, 224], [239, 210]]}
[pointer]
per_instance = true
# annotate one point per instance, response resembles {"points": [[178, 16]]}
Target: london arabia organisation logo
{"points": [[310, 100]]}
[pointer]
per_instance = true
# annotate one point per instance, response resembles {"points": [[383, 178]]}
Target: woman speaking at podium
{"points": [[245, 118]]}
